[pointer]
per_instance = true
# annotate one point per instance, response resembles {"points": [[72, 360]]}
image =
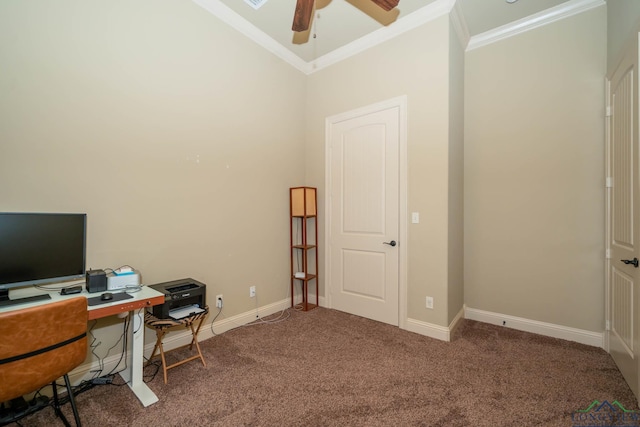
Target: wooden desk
{"points": [[135, 306]]}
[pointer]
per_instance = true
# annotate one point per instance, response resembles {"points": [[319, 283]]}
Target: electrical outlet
{"points": [[430, 302], [252, 291], [219, 301]]}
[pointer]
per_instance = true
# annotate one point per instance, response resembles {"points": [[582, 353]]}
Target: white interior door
{"points": [[622, 218], [364, 208]]}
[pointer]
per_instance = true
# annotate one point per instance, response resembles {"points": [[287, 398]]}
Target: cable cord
{"points": [[147, 378], [278, 319], [124, 339], [58, 286], [93, 346], [259, 320], [213, 320]]}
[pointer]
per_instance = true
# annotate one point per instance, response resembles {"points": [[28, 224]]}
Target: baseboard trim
{"points": [[115, 363], [457, 321], [442, 333], [220, 326], [430, 330], [595, 339]]}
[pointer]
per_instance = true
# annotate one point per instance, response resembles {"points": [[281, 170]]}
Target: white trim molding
{"points": [[595, 339], [460, 25], [413, 20], [548, 16], [428, 13], [442, 333], [420, 17], [86, 371], [430, 330], [231, 18]]}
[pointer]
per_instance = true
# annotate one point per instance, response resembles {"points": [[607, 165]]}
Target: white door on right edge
{"points": [[623, 222]]}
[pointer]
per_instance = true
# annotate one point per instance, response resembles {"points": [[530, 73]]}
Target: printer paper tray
{"points": [[187, 310]]}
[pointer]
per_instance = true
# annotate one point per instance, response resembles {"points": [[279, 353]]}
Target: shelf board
{"points": [[304, 246], [310, 306], [307, 277]]}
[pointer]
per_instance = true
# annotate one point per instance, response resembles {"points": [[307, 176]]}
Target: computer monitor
{"points": [[40, 248]]}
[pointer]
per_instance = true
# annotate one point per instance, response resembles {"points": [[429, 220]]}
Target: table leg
{"points": [[133, 375]]}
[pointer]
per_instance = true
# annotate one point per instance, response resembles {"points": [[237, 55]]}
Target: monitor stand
{"points": [[5, 301]]}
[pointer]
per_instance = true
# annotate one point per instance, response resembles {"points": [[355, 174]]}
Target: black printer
{"points": [[179, 293]]}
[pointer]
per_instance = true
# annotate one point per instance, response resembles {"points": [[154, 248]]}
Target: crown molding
{"points": [[426, 14], [557, 13], [402, 25], [413, 20], [460, 25], [231, 18]]}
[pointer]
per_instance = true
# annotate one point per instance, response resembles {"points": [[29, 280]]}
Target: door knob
{"points": [[633, 262], [393, 243]]}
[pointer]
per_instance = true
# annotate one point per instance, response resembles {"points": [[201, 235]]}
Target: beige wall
{"points": [[534, 174], [623, 19], [415, 64], [178, 136]]}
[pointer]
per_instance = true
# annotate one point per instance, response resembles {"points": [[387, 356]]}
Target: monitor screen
{"points": [[39, 248]]}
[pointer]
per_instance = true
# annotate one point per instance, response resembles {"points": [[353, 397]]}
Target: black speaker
{"points": [[96, 281]]}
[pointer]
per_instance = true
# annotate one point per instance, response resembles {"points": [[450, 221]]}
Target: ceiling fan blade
{"points": [[302, 15], [386, 4]]}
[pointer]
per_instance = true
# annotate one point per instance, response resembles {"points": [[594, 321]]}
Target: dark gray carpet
{"points": [[328, 368]]}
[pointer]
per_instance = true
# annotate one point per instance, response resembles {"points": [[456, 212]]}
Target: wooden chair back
{"points": [[40, 344]]}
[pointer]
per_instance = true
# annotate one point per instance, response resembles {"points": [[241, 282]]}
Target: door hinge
{"points": [[607, 325], [608, 112], [607, 254], [608, 182]]}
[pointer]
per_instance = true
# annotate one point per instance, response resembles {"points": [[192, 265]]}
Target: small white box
{"points": [[123, 281]]}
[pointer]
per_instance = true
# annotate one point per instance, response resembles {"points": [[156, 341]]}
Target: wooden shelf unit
{"points": [[303, 225]]}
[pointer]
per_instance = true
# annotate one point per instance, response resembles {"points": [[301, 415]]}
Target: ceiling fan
{"points": [[304, 8]]}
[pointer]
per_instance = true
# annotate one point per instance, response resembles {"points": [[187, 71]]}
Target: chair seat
{"points": [[162, 326]]}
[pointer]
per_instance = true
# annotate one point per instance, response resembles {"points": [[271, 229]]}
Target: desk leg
{"points": [[135, 362]]}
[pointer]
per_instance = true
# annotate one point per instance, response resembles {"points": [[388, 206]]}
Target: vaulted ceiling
{"points": [[337, 24]]}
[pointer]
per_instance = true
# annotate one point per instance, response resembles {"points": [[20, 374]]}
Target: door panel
{"points": [[364, 213], [363, 171], [623, 222], [363, 274], [622, 312]]}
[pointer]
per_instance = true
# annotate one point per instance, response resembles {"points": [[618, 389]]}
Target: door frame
{"points": [[399, 102], [607, 232]]}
